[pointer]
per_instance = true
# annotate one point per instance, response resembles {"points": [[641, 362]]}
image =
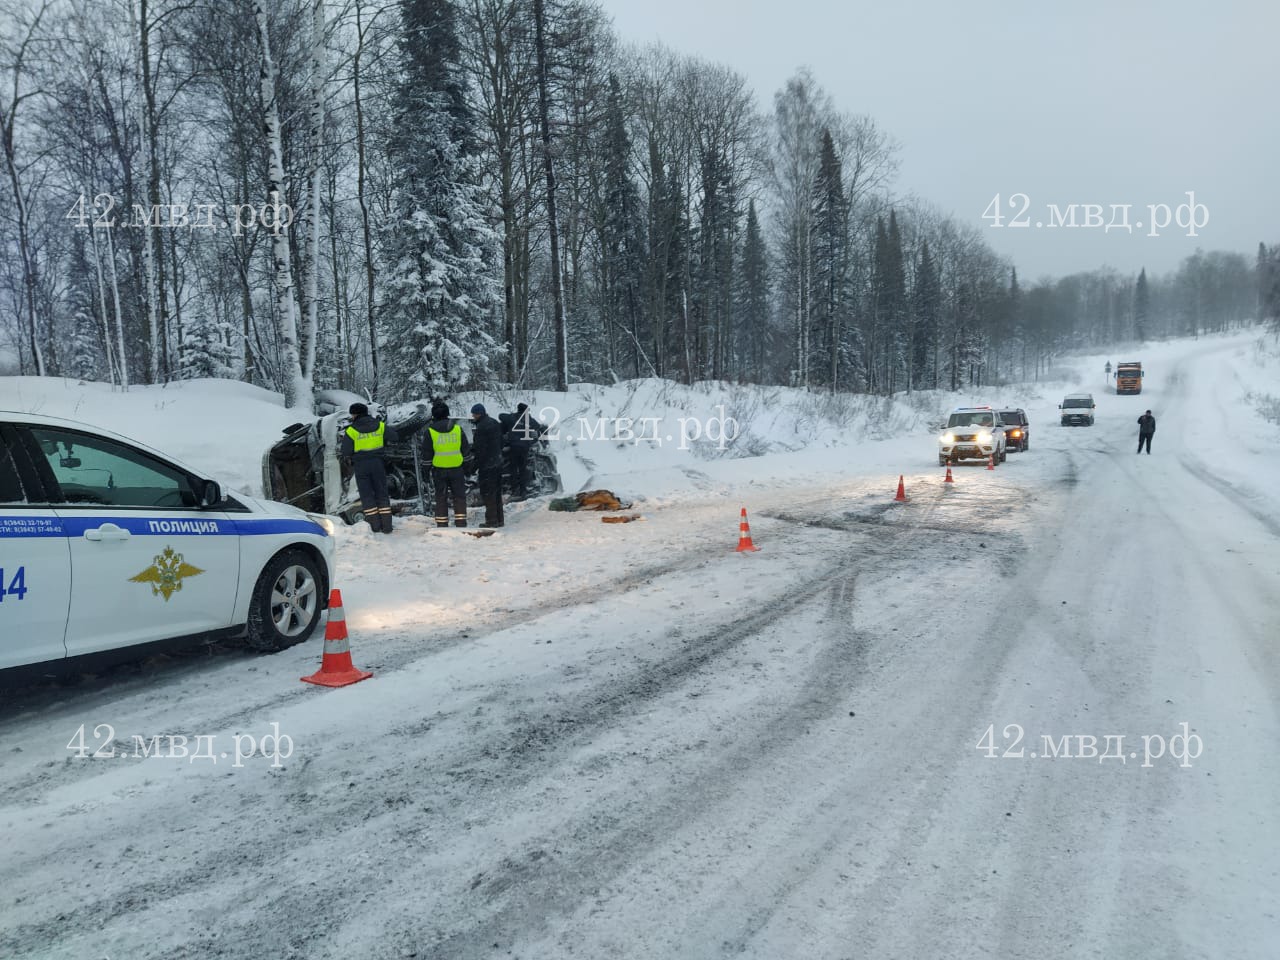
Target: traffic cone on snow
{"points": [[336, 668], [991, 461], [902, 492], [947, 478], [744, 535]]}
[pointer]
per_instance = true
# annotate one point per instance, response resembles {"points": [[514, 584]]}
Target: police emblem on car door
{"points": [[147, 563], [166, 573]]}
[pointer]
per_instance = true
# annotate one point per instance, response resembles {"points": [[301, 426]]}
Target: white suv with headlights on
{"points": [[972, 433]]}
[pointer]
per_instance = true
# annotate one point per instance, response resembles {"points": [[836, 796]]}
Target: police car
{"points": [[107, 545]]}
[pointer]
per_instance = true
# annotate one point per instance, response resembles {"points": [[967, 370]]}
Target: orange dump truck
{"points": [[1129, 378]]}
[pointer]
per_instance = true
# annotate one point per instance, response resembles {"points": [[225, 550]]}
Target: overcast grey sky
{"points": [[1092, 101]]}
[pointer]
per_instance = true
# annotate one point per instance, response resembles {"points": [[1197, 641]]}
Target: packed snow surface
{"points": [[593, 740]]}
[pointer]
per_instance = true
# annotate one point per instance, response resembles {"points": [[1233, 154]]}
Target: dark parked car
{"points": [[1017, 429]]}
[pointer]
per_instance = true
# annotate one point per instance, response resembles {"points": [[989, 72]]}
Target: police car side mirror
{"points": [[210, 492]]}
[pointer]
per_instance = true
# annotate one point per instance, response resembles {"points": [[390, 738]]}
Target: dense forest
{"points": [[409, 197]]}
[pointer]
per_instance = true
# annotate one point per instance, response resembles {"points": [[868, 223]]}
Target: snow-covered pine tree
{"points": [[206, 350], [440, 287], [877, 334], [1017, 325], [800, 110], [896, 313], [1267, 276], [828, 248], [926, 310], [1271, 290], [1141, 306], [678, 241], [622, 235], [753, 329], [717, 226]]}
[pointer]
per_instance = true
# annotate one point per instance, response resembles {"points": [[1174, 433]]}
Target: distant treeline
{"points": [[411, 197]]}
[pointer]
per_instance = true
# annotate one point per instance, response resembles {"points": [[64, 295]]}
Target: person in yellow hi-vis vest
{"points": [[448, 447], [363, 443]]}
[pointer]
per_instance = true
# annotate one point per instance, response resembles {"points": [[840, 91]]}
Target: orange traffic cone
{"points": [[902, 491], [336, 669], [991, 461], [744, 535], [947, 478]]}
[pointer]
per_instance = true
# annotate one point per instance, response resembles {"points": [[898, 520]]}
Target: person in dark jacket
{"points": [[448, 446], [363, 443], [1146, 430], [522, 432], [486, 443]]}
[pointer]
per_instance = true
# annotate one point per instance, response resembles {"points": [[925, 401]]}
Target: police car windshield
{"points": [[982, 419]]}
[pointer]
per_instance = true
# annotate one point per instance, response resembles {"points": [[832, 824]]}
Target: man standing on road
{"points": [[1146, 430], [448, 448], [487, 444], [363, 442], [522, 435]]}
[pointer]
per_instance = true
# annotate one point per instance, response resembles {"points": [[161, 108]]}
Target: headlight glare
{"points": [[325, 523]]}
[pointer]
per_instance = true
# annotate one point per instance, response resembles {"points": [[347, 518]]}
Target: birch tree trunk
{"points": [[24, 240], [115, 298], [297, 387], [112, 369], [366, 230], [311, 283], [8, 125], [115, 371], [148, 252]]}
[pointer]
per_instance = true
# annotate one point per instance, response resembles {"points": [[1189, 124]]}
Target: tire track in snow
{"points": [[28, 790], [512, 760], [503, 761], [489, 769]]}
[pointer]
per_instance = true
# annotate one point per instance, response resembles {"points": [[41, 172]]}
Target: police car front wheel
{"points": [[286, 602]]}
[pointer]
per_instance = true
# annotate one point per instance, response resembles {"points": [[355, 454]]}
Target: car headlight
{"points": [[1016, 433], [984, 438], [323, 522], [947, 438]]}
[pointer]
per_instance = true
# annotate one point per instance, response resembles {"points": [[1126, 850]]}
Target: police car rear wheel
{"points": [[286, 602]]}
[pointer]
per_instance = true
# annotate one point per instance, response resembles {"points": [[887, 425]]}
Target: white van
{"points": [[1077, 410]]}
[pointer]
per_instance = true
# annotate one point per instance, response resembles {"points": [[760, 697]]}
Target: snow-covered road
{"points": [[595, 741]]}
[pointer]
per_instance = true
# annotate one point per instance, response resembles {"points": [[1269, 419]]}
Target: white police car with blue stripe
{"points": [[107, 545]]}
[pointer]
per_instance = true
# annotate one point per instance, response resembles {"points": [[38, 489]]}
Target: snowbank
{"points": [[655, 440]]}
